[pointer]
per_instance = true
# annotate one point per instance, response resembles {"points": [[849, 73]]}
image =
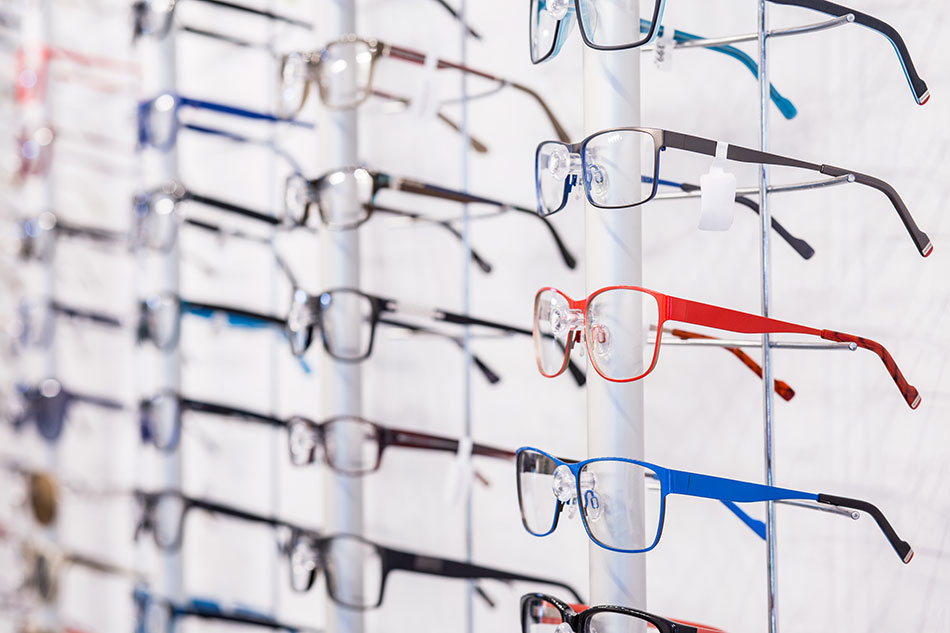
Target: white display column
{"points": [[613, 256], [336, 136]]}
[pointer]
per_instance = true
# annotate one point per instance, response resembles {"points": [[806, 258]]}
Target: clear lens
{"points": [[162, 120], [293, 84], [303, 438], [553, 176], [619, 168], [354, 572], [614, 622], [304, 562], [160, 224], [344, 75], [552, 331], [337, 194], [50, 409], [300, 322], [543, 28], [609, 489], [620, 341], [535, 494], [156, 617], [539, 616], [296, 199], [36, 324], [162, 317], [43, 577], [167, 519], [352, 445], [612, 23], [347, 321], [162, 417]]}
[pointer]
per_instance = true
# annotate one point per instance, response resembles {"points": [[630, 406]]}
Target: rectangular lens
{"points": [[617, 622], [620, 342], [619, 168], [542, 29], [539, 616], [611, 492], [347, 320], [344, 197], [354, 572], [551, 332], [344, 75], [553, 178], [535, 495], [352, 445], [614, 24]]}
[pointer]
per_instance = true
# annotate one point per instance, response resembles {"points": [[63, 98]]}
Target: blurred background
{"points": [[150, 263]]}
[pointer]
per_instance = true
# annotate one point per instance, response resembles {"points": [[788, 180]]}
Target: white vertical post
{"points": [[342, 393], [613, 256], [766, 270]]}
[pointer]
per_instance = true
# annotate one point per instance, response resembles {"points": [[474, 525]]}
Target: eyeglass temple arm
{"points": [[245, 139], [265, 14], [801, 247], [229, 411], [417, 57], [699, 145], [480, 261], [86, 315], [413, 439], [202, 309], [490, 375], [707, 486], [91, 233], [781, 387], [458, 17], [436, 566], [217, 229], [231, 208], [476, 144], [785, 106], [686, 311], [208, 609], [917, 85], [217, 508], [98, 401], [436, 191], [101, 566], [240, 112]]}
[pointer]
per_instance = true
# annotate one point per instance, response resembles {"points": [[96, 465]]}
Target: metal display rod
{"points": [[613, 256], [341, 381]]}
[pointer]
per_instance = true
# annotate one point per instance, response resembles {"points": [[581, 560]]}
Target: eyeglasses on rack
{"points": [[344, 72], [35, 147], [47, 405], [33, 70], [41, 492], [543, 613], [37, 235], [38, 320], [310, 553], [601, 163], [159, 122], [611, 26], [155, 614], [324, 195], [611, 321], [602, 489]]}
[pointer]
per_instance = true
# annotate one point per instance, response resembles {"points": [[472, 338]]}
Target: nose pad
{"points": [[592, 507], [564, 488], [600, 343], [563, 321], [563, 627], [557, 9], [597, 182]]}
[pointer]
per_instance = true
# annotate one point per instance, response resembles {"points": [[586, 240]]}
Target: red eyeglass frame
{"points": [[670, 308]]}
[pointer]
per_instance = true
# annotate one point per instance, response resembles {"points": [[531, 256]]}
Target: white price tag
{"points": [[663, 50], [718, 194], [459, 480], [425, 101]]}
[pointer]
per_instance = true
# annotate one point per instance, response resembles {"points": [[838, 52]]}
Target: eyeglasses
{"points": [[163, 515], [154, 614], [602, 161], [35, 151], [543, 613], [333, 308], [41, 493], [38, 320], [611, 321], [33, 78], [38, 234], [550, 22], [309, 554], [329, 191], [607, 485], [344, 73], [158, 121], [157, 216], [154, 17], [47, 405], [45, 565]]}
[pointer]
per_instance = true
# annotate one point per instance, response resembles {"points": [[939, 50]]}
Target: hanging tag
{"points": [[663, 50], [718, 194], [425, 102], [459, 481]]}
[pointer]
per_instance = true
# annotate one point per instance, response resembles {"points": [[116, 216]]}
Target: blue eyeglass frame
{"points": [[728, 491], [146, 138], [918, 86]]}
